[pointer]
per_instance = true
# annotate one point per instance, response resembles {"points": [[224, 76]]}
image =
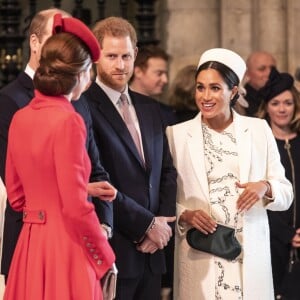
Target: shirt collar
{"points": [[29, 71], [113, 95]]}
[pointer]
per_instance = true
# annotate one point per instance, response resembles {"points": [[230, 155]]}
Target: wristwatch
{"points": [[108, 230]]}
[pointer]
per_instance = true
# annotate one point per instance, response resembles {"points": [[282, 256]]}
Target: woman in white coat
{"points": [[229, 172]]}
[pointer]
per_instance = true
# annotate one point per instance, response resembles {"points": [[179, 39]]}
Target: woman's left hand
{"points": [[253, 191]]}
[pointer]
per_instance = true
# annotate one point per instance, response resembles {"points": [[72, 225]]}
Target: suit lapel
{"points": [[243, 138], [109, 112], [196, 149]]}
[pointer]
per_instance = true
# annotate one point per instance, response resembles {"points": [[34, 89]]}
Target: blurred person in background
{"points": [[259, 64], [150, 77], [181, 94], [281, 108]]}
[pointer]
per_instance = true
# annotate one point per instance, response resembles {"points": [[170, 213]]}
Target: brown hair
{"points": [[181, 94], [295, 122], [63, 57], [147, 52], [116, 27], [39, 22]]}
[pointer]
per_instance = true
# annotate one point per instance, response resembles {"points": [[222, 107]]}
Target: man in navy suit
{"points": [[146, 180], [18, 94]]}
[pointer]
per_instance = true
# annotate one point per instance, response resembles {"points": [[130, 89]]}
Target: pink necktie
{"points": [[124, 106]]}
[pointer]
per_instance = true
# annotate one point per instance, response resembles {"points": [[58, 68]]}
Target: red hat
{"points": [[79, 29]]}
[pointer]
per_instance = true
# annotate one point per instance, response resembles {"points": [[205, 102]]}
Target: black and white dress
{"points": [[221, 163]]}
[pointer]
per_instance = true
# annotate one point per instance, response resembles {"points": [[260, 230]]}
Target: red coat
{"points": [[61, 252]]}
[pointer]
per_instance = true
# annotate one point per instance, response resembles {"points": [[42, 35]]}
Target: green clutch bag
{"points": [[222, 242]]}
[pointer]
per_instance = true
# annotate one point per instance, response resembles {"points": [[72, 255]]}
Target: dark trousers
{"points": [[167, 278], [144, 287]]}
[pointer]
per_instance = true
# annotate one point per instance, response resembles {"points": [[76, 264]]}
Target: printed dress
{"points": [[221, 163]]}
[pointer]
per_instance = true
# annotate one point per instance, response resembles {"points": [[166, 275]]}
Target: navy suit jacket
{"points": [[14, 96], [146, 190]]}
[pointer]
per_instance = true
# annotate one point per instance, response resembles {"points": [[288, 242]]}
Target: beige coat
{"points": [[258, 159]]}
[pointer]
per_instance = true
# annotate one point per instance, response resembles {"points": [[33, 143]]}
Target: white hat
{"points": [[227, 57]]}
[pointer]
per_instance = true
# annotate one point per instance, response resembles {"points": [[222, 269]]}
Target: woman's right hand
{"points": [[198, 219]]}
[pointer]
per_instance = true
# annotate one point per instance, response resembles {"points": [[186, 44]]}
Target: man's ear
{"points": [[136, 49], [137, 71], [34, 42]]}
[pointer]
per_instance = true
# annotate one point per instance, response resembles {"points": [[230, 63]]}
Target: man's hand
{"points": [[161, 232], [147, 246], [102, 190]]}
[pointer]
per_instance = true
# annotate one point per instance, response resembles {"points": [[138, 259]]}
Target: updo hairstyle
{"points": [[64, 56]]}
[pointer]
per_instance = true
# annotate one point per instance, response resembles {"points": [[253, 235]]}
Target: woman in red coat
{"points": [[61, 252]]}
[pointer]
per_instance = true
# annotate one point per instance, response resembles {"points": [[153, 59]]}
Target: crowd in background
{"points": [[144, 151]]}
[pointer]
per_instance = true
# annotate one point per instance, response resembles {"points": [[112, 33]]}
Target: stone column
{"points": [[189, 28], [235, 26], [269, 21], [293, 35]]}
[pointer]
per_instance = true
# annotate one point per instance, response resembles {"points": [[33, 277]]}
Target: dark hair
{"points": [[147, 52], [230, 78], [181, 93], [63, 57]]}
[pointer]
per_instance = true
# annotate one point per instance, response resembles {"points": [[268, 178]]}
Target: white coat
{"points": [[258, 160]]}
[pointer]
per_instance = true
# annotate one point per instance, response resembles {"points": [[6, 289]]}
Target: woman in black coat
{"points": [[281, 107]]}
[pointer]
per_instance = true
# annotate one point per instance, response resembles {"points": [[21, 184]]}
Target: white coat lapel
{"points": [[243, 138], [196, 150]]}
